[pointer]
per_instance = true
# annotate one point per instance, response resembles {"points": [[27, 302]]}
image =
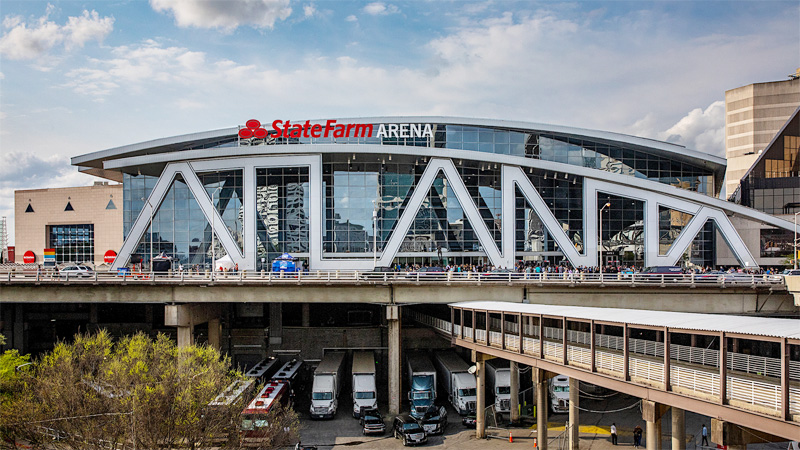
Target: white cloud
{"points": [[224, 15], [29, 41], [380, 9], [309, 10], [351, 18], [700, 129]]}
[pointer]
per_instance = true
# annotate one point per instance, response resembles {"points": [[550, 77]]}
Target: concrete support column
{"points": [[185, 335], [651, 413], [678, 428], [214, 333], [186, 316], [306, 315], [514, 417], [393, 319], [574, 415], [480, 404], [540, 381]]}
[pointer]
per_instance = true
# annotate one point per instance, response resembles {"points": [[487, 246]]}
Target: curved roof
{"points": [[176, 143]]}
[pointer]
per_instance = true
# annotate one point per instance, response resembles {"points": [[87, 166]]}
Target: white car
{"points": [[76, 270]]}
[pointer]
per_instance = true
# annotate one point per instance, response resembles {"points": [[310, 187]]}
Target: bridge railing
{"points": [[753, 382], [33, 275]]}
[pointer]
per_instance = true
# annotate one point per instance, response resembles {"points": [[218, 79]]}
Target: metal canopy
{"points": [[757, 326]]}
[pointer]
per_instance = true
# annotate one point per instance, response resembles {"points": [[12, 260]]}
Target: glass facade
{"points": [[72, 243], [567, 149], [364, 196], [773, 183]]}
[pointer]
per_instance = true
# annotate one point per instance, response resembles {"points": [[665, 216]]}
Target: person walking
{"points": [[704, 433], [613, 434], [637, 437]]}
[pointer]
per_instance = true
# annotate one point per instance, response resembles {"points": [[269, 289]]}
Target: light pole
{"points": [[795, 239], [151, 231], [213, 225], [607, 205], [374, 235]]}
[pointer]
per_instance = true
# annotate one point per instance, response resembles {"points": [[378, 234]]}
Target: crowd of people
{"points": [[531, 267]]}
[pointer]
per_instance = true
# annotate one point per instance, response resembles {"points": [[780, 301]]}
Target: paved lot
{"points": [[344, 431]]}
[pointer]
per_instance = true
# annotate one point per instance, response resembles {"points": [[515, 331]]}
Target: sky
{"points": [[83, 76]]}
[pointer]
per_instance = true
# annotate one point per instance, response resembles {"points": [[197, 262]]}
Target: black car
{"points": [[470, 420], [372, 422], [409, 430], [435, 420]]}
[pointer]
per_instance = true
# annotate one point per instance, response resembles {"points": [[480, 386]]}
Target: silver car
{"points": [[75, 271]]}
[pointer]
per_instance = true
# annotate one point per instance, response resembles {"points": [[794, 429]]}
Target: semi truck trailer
{"points": [[327, 385], [422, 381], [365, 393], [456, 381]]}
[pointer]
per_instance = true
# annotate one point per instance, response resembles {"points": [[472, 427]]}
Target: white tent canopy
{"points": [[225, 263]]}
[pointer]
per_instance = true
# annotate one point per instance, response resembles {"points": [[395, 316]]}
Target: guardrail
{"points": [[356, 277]]}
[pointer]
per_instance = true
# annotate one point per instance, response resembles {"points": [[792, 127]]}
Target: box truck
{"points": [[559, 394], [456, 381], [365, 393], [422, 381], [326, 386], [498, 373]]}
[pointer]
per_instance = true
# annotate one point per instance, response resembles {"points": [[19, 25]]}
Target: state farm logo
{"points": [[252, 129]]}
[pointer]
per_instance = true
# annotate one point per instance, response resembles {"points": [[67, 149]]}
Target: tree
{"points": [[137, 392]]}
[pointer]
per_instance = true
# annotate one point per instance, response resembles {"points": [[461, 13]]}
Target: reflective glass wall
{"points": [[72, 243]]}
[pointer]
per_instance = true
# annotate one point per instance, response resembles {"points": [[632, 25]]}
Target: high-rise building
{"points": [[753, 116]]}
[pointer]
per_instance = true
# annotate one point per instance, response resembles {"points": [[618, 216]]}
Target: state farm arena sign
{"points": [[287, 129]]}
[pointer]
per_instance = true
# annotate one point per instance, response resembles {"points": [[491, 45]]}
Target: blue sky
{"points": [[82, 76]]}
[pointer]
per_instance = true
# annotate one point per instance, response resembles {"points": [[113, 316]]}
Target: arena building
{"points": [[371, 192]]}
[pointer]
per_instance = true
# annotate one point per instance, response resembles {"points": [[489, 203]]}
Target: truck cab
{"points": [[364, 393], [422, 381], [326, 386], [464, 396], [559, 394]]}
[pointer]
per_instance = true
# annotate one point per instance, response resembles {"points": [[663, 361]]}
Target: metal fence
{"points": [[33, 275]]}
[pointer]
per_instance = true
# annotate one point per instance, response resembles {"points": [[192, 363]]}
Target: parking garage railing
{"points": [[33, 275]]}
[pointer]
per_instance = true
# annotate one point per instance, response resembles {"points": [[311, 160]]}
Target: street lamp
{"points": [[607, 205], [151, 231], [213, 231], [374, 235], [795, 239]]}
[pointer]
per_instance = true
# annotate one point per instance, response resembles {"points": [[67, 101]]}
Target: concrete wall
{"points": [[89, 207], [311, 341]]}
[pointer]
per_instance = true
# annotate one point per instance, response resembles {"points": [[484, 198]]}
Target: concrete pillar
{"points": [[651, 413], [306, 315], [214, 332], [393, 319], [514, 416], [574, 414], [540, 382], [275, 325], [678, 428], [480, 404], [185, 336]]}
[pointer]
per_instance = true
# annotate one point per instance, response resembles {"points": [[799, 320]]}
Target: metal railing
{"points": [[754, 382], [29, 275]]}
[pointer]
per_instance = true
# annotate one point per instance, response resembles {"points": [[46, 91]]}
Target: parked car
{"points": [[435, 420], [409, 430], [76, 270], [372, 422], [470, 421], [655, 273], [791, 272]]}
